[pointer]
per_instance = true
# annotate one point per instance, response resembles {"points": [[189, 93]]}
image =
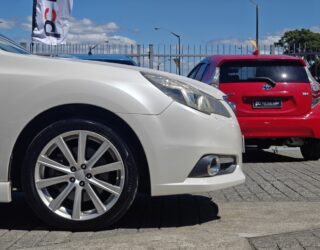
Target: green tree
{"points": [[297, 41], [304, 43]]}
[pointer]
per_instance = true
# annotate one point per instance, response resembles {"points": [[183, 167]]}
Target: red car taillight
{"points": [[315, 93], [315, 89]]}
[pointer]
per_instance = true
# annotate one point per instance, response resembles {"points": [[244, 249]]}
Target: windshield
{"points": [[10, 46], [278, 71]]}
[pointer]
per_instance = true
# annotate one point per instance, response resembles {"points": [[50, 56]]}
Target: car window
{"points": [[278, 71], [201, 71], [194, 72], [209, 74], [10, 46]]}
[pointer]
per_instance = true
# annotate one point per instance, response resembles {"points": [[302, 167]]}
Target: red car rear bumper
{"points": [[281, 127]]}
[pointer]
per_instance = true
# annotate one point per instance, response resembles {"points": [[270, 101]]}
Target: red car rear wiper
{"points": [[268, 80]]}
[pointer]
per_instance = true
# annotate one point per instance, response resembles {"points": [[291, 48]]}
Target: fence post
{"points": [[151, 56], [272, 50], [132, 49], [139, 55]]}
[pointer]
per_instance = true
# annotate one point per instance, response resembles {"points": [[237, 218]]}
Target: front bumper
{"points": [[306, 126], [175, 140], [199, 185]]}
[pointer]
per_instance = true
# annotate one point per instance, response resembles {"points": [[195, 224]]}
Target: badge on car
{"points": [[267, 87]]}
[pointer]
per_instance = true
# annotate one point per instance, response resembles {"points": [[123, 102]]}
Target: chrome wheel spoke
{"points": [[107, 168], [98, 154], [56, 203], [76, 212], [95, 199], [43, 183], [45, 161], [65, 151], [73, 189], [82, 140], [106, 186]]}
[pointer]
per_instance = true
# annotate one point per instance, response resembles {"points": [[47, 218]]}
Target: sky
{"points": [[196, 21]]}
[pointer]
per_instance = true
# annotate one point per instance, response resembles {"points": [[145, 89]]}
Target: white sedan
{"points": [[80, 139]]}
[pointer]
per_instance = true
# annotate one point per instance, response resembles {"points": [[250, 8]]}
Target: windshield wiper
{"points": [[268, 80]]}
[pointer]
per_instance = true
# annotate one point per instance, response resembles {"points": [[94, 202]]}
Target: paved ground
{"points": [[277, 208], [308, 239]]}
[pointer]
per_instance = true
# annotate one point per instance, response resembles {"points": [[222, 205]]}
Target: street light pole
{"points": [[179, 47], [94, 46], [257, 22]]}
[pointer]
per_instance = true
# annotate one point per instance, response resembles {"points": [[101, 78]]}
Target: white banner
{"points": [[51, 21]]}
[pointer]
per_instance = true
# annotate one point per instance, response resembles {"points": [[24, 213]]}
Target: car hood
{"points": [[211, 90], [65, 68]]}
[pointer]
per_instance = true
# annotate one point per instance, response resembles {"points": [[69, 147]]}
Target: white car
{"points": [[81, 138]]}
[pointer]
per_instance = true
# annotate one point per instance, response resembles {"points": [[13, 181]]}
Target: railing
{"points": [[166, 57]]}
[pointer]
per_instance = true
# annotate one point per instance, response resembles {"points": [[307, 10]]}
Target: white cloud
{"points": [[87, 26], [231, 40], [98, 38], [243, 46], [269, 40], [88, 31], [27, 25], [121, 39], [7, 24], [315, 29], [264, 41]]}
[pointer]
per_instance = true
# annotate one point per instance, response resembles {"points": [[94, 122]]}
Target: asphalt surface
{"points": [[277, 208]]}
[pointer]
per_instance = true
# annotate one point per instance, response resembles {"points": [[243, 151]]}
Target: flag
{"points": [[50, 21], [254, 44], [256, 49]]}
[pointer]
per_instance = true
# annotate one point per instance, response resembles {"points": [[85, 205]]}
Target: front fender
{"points": [[21, 102]]}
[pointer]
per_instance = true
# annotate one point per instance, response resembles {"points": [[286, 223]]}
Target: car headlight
{"points": [[187, 95]]}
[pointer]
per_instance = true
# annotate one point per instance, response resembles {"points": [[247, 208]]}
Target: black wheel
{"points": [[311, 149], [79, 175]]}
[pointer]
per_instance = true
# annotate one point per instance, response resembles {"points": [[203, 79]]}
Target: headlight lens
{"points": [[187, 95]]}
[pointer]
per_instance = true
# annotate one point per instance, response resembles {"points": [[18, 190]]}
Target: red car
{"points": [[275, 96]]}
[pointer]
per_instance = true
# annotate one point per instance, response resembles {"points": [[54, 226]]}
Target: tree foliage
{"points": [[304, 43], [300, 39], [315, 69]]}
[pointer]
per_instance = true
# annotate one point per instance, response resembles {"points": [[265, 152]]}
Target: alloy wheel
{"points": [[79, 175]]}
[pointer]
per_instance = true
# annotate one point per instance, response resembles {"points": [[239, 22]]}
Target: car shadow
{"points": [[262, 156], [170, 211], [145, 212]]}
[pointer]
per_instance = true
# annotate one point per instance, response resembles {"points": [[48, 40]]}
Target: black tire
{"points": [[102, 221], [311, 150]]}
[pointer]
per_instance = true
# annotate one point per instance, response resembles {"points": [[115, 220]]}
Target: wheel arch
{"points": [[84, 111]]}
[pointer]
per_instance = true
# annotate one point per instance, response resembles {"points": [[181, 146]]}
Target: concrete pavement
{"points": [[277, 208]]}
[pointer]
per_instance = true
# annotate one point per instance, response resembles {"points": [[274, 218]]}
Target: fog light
{"points": [[214, 166]]}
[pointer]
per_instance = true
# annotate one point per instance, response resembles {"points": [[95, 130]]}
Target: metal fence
{"points": [[166, 57]]}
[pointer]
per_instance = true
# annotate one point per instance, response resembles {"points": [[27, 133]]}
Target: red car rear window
{"points": [[278, 71]]}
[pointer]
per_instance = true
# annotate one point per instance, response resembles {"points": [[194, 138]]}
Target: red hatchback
{"points": [[276, 98]]}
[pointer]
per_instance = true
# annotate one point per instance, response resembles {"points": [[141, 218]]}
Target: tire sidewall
{"points": [[311, 149], [28, 182]]}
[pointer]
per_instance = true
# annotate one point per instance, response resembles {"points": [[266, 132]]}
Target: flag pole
{"points": [[34, 13]]}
